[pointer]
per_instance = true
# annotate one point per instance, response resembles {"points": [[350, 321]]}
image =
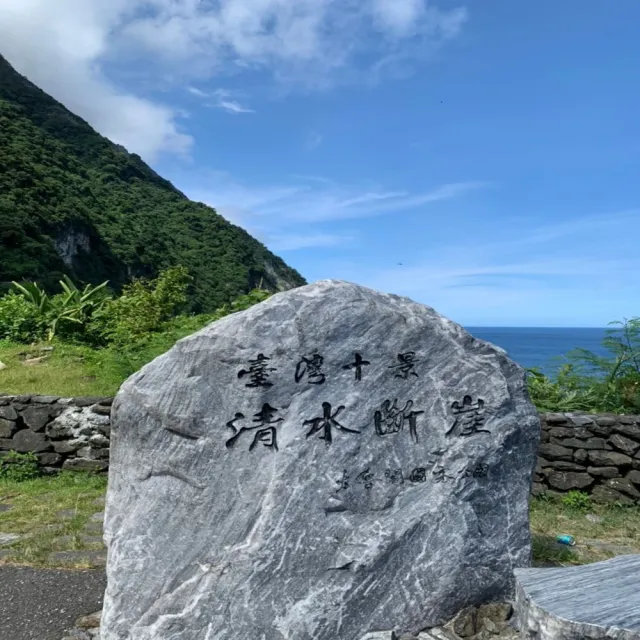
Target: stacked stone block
{"points": [[597, 454], [63, 433]]}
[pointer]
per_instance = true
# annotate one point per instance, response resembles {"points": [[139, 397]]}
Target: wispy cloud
{"points": [[220, 99], [318, 201], [288, 216]]}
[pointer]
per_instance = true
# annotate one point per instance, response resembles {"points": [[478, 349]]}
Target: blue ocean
{"points": [[540, 347]]}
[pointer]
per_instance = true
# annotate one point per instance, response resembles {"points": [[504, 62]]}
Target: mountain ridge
{"points": [[73, 202]]}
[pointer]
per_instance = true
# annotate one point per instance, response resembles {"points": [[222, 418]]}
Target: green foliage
{"points": [[70, 310], [595, 383], [144, 306], [61, 184], [577, 500], [18, 467], [20, 320]]}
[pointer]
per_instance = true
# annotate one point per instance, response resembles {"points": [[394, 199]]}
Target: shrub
{"points": [[18, 467], [143, 307], [578, 500], [20, 320]]}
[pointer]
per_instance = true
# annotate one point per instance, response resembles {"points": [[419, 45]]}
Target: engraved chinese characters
{"points": [[329, 463]]}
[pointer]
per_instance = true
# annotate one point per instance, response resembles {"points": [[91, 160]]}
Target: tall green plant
{"points": [[71, 307]]}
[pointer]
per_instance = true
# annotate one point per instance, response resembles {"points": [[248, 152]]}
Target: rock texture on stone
{"points": [[330, 463], [598, 601]]}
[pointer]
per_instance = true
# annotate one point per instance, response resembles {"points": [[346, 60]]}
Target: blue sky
{"points": [[480, 157]]}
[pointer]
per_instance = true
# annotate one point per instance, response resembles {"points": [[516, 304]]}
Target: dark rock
{"points": [[599, 430], [104, 429], [604, 472], [555, 418], [606, 420], [44, 399], [26, 440], [623, 486], [604, 495], [6, 444], [90, 621], [634, 476], [101, 454], [8, 413], [570, 432], [567, 480], [67, 446], [101, 410], [36, 417], [626, 445], [49, 459], [544, 436], [555, 452], [84, 464], [23, 399], [107, 402], [630, 430], [7, 428], [537, 489], [563, 465], [628, 419], [575, 443], [609, 459], [580, 456], [87, 401], [581, 420]]}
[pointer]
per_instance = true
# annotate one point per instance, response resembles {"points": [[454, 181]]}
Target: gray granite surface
{"points": [[599, 600], [332, 462]]}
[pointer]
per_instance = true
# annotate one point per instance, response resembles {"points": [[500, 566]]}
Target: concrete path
{"points": [[43, 604]]}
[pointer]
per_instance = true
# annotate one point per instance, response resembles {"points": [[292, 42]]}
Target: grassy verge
{"points": [[68, 370], [50, 515], [601, 531]]}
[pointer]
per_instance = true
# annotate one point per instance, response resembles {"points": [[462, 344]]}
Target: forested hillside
{"points": [[73, 202]]}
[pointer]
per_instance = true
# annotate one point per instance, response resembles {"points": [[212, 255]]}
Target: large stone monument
{"points": [[330, 463]]}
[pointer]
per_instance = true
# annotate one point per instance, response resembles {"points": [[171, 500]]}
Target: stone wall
{"points": [[598, 454], [64, 433]]}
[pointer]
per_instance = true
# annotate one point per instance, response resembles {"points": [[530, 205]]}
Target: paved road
{"points": [[43, 604]]}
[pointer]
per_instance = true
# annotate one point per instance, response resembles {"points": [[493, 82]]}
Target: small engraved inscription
{"points": [[311, 367], [258, 372], [357, 366], [406, 365], [327, 423], [469, 417], [264, 428]]}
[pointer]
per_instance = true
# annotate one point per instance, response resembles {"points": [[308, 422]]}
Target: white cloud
{"points": [[64, 45], [58, 46], [287, 216], [221, 99], [315, 201]]}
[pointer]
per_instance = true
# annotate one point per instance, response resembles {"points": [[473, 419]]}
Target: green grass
{"points": [[36, 515], [68, 370], [601, 531]]}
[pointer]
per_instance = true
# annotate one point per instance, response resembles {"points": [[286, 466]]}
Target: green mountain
{"points": [[73, 202]]}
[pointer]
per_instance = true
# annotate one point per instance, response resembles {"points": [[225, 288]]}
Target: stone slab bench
{"points": [[599, 601]]}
